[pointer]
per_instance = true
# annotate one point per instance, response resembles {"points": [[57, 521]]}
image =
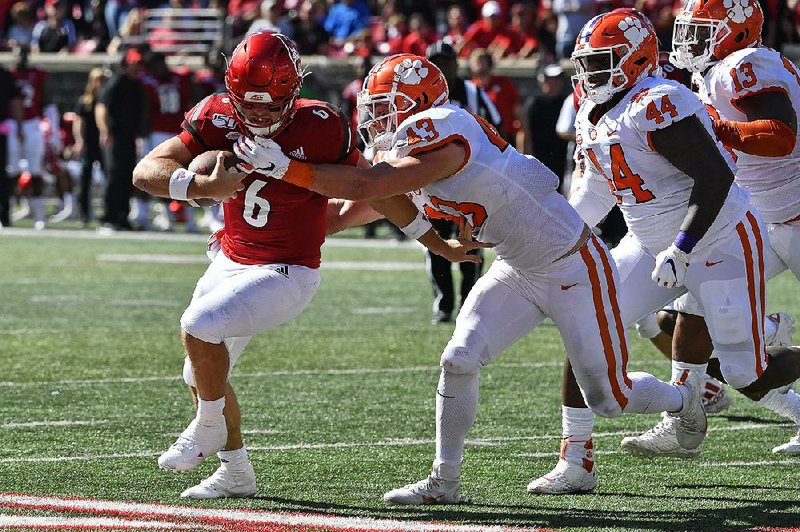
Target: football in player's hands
{"points": [[204, 164]]}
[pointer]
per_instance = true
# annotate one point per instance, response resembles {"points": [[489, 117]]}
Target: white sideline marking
{"points": [[795, 462], [93, 523], [334, 242], [385, 310], [56, 423], [326, 265], [399, 442], [229, 519]]}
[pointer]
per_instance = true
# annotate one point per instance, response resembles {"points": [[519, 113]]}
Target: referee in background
{"points": [[10, 93], [466, 95]]}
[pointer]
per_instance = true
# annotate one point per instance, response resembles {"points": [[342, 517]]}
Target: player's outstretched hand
{"points": [[225, 180], [264, 155], [671, 267], [459, 248]]}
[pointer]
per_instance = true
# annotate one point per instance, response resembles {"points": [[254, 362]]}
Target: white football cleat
{"points": [[194, 445], [692, 425], [432, 490], [784, 332], [715, 397], [790, 447], [661, 440], [225, 483], [565, 478]]}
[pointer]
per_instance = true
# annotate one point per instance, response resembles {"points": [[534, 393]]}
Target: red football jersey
{"points": [[31, 84], [169, 99], [272, 221]]}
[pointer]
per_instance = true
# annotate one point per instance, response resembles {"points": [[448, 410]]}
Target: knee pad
{"points": [[202, 324], [460, 361], [727, 312], [188, 376], [647, 327], [604, 405], [738, 368]]}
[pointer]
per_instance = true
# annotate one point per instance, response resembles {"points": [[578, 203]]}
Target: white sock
{"points": [[37, 206], [650, 395], [68, 201], [210, 412], [235, 459], [577, 424], [786, 404], [456, 407]]}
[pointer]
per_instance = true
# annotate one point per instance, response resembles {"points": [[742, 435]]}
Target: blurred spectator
{"points": [[242, 13], [572, 15], [271, 20], [396, 32], [56, 33], [456, 26], [539, 121], [661, 13], [482, 34], [116, 11], [565, 129], [28, 144], [10, 93], [523, 33], [350, 94], [309, 35], [360, 45], [121, 116], [132, 28], [421, 35], [210, 78], [501, 90], [23, 20], [93, 34], [346, 18], [465, 94], [87, 140]]}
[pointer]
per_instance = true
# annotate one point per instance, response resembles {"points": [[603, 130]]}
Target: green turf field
{"points": [[337, 405]]}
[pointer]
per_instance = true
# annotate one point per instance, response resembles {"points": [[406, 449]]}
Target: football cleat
{"points": [[784, 332], [790, 447], [715, 398], [565, 478], [692, 422], [661, 440], [225, 483], [432, 490], [194, 445]]}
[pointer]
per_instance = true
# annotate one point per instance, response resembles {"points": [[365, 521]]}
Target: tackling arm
{"points": [[704, 164]]}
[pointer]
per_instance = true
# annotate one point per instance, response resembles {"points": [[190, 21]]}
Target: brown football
{"points": [[204, 164]]}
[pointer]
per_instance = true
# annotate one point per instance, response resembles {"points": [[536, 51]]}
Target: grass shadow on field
{"points": [[751, 419], [584, 513]]}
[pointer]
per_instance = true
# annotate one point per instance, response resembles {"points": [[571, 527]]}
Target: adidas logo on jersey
{"points": [[298, 153]]}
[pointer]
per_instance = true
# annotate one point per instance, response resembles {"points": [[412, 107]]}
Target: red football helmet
{"points": [[613, 52], [399, 86], [709, 30], [263, 80]]}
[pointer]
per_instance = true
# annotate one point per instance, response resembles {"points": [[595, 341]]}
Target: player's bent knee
{"points": [[604, 406], [188, 376], [460, 361], [202, 325], [738, 368], [647, 327]]}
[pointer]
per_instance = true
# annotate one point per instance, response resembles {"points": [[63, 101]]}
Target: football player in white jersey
{"points": [[549, 264], [753, 93], [649, 146]]}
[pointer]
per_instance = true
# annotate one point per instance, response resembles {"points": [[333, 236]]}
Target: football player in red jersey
{"points": [[169, 96], [28, 142], [268, 268]]}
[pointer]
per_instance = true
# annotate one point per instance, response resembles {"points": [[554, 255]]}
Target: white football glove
{"points": [[671, 267], [264, 155], [214, 244]]}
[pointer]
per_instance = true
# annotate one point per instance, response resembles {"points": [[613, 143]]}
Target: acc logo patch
{"points": [[224, 121]]}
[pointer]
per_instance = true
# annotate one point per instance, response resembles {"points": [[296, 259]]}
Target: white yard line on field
{"points": [[335, 242], [92, 523], [398, 442], [54, 423], [227, 519]]}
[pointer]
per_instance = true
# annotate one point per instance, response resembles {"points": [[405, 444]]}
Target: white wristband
{"points": [[418, 226], [179, 183]]}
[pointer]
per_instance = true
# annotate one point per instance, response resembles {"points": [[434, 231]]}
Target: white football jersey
{"points": [[509, 198], [621, 164], [773, 182]]}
